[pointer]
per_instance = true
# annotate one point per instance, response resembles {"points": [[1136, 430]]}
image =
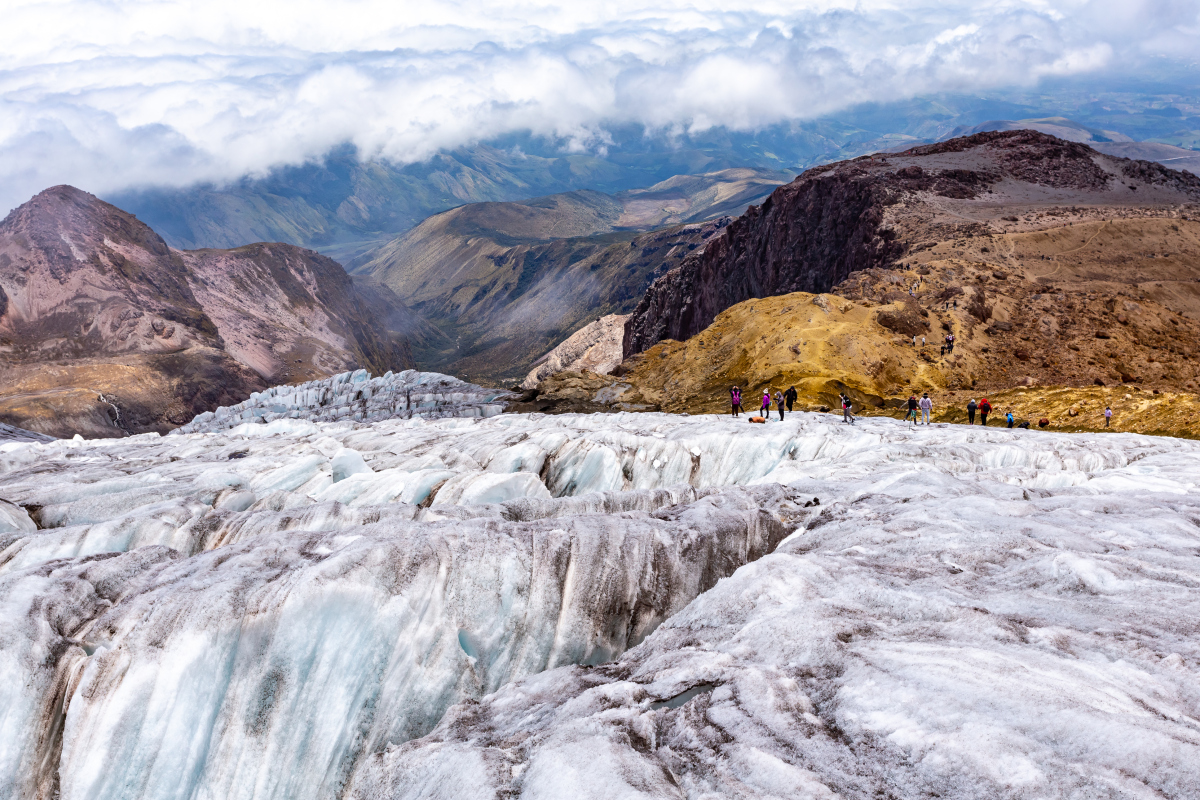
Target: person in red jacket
{"points": [[985, 408]]}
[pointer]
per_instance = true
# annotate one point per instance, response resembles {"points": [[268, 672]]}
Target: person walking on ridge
{"points": [[985, 408], [1107, 415], [735, 398], [790, 396], [779, 403], [926, 406], [971, 411]]}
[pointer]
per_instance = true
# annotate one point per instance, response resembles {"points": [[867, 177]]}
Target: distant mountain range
{"points": [[347, 204]]}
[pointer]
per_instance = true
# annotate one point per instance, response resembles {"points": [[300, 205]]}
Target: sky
{"points": [[109, 95]]}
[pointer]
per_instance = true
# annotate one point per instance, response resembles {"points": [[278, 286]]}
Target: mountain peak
{"points": [[63, 221]]}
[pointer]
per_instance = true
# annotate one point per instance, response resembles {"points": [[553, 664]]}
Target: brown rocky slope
{"points": [[106, 330], [873, 211]]}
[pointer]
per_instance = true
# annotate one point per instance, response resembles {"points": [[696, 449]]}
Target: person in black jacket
{"points": [[790, 397], [971, 412]]}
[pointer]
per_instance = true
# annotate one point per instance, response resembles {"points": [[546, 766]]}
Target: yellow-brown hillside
{"points": [[825, 344], [821, 344]]}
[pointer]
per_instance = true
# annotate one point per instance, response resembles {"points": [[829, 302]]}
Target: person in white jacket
{"points": [[926, 405]]}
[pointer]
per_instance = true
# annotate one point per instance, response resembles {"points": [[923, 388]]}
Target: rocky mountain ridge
{"points": [[106, 329], [872, 211]]}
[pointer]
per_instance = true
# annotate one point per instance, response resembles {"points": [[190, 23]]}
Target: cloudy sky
{"points": [[108, 94]]}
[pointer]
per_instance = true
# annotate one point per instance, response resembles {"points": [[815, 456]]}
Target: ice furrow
{"points": [[310, 649]]}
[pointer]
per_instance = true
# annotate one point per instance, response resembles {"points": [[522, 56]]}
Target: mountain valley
{"points": [[505, 282]]}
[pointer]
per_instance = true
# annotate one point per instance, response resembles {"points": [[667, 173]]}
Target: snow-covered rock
{"points": [[628, 605], [358, 397]]}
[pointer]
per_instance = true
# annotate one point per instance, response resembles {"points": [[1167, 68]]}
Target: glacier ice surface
{"points": [[357, 397], [599, 606]]}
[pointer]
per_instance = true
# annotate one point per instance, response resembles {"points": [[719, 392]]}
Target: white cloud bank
{"points": [[107, 95]]}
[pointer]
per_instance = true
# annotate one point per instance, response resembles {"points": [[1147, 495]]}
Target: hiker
{"points": [[926, 406], [790, 396], [912, 409], [1107, 416], [971, 411], [1009, 417], [914, 341], [985, 408], [735, 398], [765, 411], [847, 414], [943, 350], [779, 403], [922, 342]]}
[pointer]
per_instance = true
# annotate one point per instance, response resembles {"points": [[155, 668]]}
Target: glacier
{"points": [[490, 605], [358, 397]]}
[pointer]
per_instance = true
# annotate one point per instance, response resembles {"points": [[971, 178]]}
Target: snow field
{"points": [[408, 608]]}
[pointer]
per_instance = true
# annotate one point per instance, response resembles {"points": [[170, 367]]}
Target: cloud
{"points": [[111, 95]]}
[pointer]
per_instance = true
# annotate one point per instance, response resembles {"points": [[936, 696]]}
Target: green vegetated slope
{"points": [[505, 282]]}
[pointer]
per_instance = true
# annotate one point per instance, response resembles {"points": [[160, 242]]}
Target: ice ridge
{"points": [[358, 397]]}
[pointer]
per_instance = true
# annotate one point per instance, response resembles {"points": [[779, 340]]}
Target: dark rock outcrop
{"points": [[806, 237], [906, 319]]}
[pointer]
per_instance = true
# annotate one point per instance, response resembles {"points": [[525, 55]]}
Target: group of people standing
{"points": [[781, 400], [918, 410]]}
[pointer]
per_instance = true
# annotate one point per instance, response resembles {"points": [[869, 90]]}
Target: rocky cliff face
{"points": [[105, 330], [869, 212]]}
